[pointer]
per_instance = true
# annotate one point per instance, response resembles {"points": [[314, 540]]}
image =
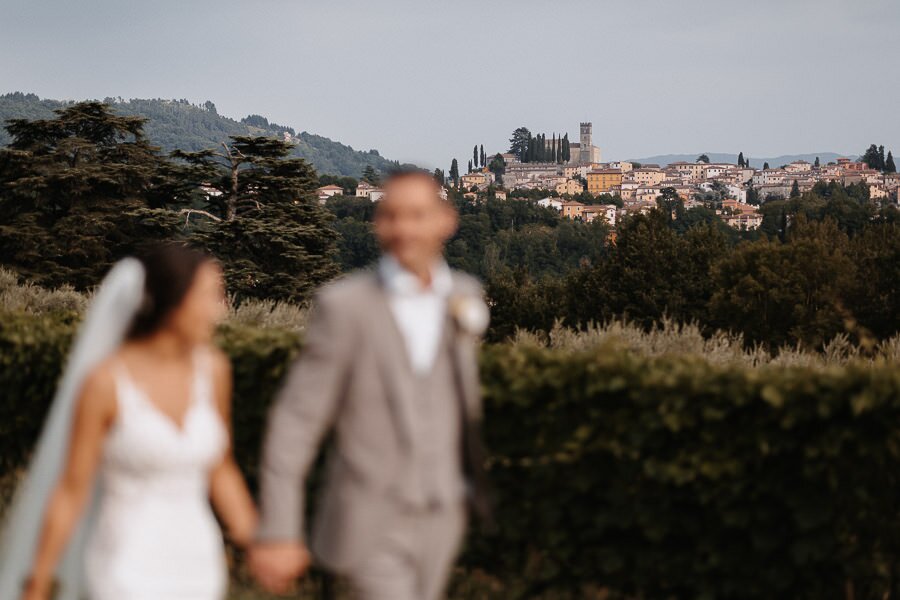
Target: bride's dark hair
{"points": [[169, 271]]}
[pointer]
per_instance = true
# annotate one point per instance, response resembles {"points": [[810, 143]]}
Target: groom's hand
{"points": [[277, 565]]}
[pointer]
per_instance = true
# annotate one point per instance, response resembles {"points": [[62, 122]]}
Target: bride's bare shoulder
{"points": [[220, 366], [98, 392]]}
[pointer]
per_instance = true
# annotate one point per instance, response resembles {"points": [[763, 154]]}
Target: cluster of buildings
{"points": [[695, 184], [364, 189], [883, 187], [723, 186]]}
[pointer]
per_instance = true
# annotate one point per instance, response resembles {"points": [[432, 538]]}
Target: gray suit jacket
{"points": [[350, 377]]}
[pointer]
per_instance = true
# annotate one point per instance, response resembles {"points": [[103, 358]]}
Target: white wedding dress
{"points": [[155, 536]]}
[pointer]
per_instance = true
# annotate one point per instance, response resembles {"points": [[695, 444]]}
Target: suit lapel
{"points": [[462, 349], [393, 359], [462, 354]]}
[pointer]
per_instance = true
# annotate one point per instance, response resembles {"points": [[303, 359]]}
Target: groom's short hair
{"points": [[407, 172]]}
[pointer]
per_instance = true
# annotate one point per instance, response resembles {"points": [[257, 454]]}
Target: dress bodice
{"points": [[146, 450], [155, 535]]}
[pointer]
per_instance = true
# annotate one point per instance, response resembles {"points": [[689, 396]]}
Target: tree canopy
{"points": [[85, 188]]}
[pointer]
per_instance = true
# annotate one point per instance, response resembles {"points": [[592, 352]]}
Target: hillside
{"points": [[665, 159], [179, 124]]}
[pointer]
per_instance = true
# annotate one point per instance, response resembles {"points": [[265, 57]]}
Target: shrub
{"points": [[668, 477], [643, 473]]}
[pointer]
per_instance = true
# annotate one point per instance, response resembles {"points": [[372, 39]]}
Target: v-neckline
{"points": [[179, 426]]}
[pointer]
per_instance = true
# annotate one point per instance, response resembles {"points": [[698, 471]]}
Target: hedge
{"points": [[642, 477]]}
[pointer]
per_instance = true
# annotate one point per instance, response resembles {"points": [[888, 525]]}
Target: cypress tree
{"points": [[483, 158], [817, 164], [474, 157], [889, 166], [454, 172], [741, 159]]}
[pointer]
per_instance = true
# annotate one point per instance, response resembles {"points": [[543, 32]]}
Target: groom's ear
{"points": [[450, 217]]}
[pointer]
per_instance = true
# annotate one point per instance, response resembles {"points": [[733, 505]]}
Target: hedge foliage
{"points": [[643, 476]]}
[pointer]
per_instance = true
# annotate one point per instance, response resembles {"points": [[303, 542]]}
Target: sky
{"points": [[423, 81]]}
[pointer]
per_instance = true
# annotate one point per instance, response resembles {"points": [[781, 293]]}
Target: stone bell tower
{"points": [[586, 144]]}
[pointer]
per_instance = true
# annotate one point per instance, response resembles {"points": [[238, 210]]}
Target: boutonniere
{"points": [[470, 314]]}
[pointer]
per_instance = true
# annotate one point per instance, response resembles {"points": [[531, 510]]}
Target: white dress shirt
{"points": [[420, 312]]}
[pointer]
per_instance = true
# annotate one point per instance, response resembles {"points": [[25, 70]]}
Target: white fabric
{"points": [[155, 536], [110, 314], [419, 311]]}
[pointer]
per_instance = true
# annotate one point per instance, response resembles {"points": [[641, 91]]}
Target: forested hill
{"points": [[179, 124]]}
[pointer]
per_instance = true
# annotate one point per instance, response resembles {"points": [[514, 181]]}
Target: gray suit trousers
{"points": [[414, 558]]}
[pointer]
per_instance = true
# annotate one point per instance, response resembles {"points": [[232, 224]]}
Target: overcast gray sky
{"points": [[423, 81]]}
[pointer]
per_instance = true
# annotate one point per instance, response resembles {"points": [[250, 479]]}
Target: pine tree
{"points": [[439, 176], [371, 176], [81, 190], [264, 223], [871, 157], [518, 143], [889, 166]]}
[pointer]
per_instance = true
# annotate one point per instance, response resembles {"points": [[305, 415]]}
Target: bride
{"points": [[145, 407]]}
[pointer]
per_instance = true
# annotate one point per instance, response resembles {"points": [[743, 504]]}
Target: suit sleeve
{"points": [[302, 413]]}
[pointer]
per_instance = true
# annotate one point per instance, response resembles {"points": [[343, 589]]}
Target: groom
{"points": [[389, 363]]}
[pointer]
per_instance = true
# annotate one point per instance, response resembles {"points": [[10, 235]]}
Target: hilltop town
{"points": [[573, 179]]}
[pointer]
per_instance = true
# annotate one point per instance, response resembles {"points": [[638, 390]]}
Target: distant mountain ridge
{"points": [[757, 163], [178, 124]]}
